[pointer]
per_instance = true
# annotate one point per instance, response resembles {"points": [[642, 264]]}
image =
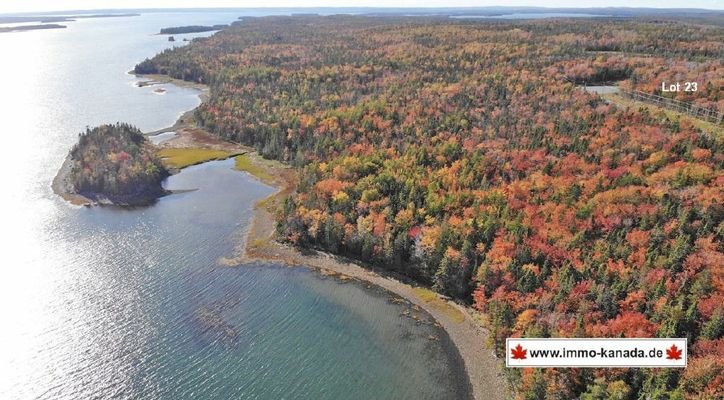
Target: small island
{"points": [[112, 164], [177, 30]]}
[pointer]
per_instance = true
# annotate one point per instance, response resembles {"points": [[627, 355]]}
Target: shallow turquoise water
{"points": [[133, 304]]}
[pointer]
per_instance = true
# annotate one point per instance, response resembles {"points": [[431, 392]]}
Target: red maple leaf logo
{"points": [[673, 353], [519, 353]]}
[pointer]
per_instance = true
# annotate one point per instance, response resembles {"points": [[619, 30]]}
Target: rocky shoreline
{"points": [[64, 188]]}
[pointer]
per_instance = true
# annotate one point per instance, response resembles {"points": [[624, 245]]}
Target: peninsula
{"points": [[112, 164], [22, 28]]}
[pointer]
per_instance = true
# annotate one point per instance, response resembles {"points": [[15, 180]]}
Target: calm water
{"points": [[132, 304]]}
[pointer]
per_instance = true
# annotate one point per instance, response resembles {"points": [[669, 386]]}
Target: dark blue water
{"points": [[103, 303]]}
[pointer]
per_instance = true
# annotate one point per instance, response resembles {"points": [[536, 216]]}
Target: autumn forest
{"points": [[116, 163], [466, 156]]}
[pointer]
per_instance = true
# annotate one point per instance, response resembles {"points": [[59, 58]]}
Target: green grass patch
{"points": [[243, 163], [184, 157], [431, 298]]}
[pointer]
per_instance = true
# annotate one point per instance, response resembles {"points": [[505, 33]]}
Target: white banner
{"points": [[595, 353]]}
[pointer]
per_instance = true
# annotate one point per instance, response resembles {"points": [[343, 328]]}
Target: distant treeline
{"points": [[31, 27], [57, 18], [192, 29]]}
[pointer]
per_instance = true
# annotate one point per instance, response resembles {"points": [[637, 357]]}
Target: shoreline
{"points": [[62, 187], [258, 243], [461, 323]]}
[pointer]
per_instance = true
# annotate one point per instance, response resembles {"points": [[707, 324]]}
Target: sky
{"points": [[7, 6]]}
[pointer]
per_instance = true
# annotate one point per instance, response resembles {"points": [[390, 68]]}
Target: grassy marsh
{"points": [[179, 158], [243, 163]]}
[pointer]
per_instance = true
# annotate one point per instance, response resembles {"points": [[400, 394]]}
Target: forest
{"points": [[464, 155], [117, 163]]}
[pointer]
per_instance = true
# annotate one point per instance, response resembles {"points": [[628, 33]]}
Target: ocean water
{"points": [[101, 303]]}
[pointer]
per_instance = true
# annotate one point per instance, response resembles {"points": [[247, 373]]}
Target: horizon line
{"points": [[502, 7]]}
